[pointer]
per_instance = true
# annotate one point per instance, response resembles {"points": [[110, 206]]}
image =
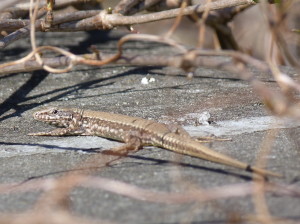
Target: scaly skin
{"points": [[135, 132]]}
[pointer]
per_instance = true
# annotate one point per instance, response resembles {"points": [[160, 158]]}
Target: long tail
{"points": [[190, 147]]}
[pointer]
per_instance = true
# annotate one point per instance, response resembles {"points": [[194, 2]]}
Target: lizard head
{"points": [[60, 117]]}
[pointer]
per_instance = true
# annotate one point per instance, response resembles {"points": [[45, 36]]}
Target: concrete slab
{"points": [[172, 98]]}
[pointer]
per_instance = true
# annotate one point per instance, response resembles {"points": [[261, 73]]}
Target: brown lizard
{"points": [[135, 132]]}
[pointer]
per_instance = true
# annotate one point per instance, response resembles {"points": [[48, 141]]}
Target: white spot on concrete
{"points": [[244, 125], [146, 80], [203, 118]]}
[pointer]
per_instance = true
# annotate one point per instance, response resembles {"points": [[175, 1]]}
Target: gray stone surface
{"points": [[172, 98]]}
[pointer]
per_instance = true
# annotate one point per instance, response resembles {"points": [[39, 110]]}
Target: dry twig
{"points": [[55, 199]]}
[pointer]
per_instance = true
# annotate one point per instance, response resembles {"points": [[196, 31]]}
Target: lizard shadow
{"points": [[138, 160], [51, 147], [155, 162], [162, 162]]}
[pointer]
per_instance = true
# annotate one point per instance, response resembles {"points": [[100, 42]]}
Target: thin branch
{"points": [[104, 20], [202, 26], [177, 20], [25, 31], [202, 60], [203, 195], [108, 21]]}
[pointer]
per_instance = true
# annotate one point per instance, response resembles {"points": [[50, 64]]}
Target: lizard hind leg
{"points": [[132, 144]]}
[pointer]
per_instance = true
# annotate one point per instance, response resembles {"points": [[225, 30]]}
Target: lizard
{"points": [[135, 132]]}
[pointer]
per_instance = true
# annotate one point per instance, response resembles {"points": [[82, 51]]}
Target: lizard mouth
{"points": [[50, 119], [39, 116]]}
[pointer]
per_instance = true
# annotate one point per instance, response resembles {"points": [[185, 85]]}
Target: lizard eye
{"points": [[54, 111]]}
